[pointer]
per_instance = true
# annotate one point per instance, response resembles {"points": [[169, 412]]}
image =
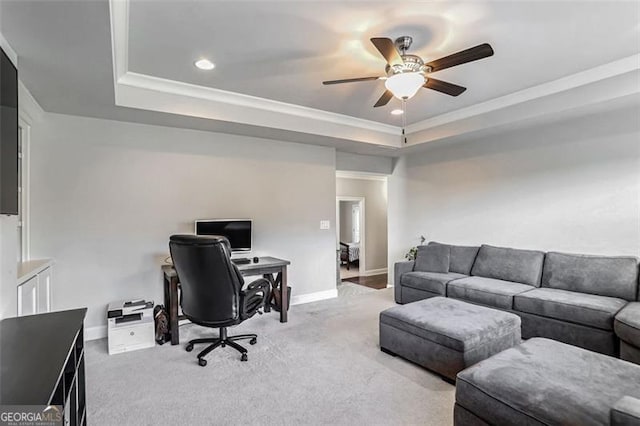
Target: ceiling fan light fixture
{"points": [[405, 85], [397, 112]]}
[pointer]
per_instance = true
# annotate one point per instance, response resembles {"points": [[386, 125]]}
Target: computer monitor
{"points": [[237, 231]]}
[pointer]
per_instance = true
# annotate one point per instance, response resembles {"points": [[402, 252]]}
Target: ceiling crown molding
{"points": [[553, 100], [29, 109], [583, 78], [13, 56]]}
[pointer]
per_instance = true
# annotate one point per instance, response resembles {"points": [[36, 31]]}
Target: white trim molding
{"points": [[13, 56], [371, 272], [95, 333], [314, 297], [600, 84], [100, 331], [29, 110], [361, 175], [158, 94]]}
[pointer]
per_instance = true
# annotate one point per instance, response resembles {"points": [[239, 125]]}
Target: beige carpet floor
{"points": [[323, 367]]}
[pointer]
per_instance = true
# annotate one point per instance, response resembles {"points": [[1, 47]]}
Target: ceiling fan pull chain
{"points": [[404, 119]]}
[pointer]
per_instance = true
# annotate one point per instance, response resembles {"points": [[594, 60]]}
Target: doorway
{"points": [[361, 233], [350, 213]]}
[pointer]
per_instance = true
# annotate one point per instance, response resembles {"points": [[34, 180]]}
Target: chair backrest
{"points": [[209, 281]]}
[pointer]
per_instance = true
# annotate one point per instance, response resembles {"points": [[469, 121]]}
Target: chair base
{"points": [[223, 341]]}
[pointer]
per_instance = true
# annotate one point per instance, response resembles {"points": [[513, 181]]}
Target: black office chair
{"points": [[212, 294]]}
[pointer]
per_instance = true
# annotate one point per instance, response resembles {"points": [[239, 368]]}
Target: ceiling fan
{"points": [[406, 74]]}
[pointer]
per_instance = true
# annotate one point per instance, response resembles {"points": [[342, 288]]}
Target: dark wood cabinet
{"points": [[42, 362]]}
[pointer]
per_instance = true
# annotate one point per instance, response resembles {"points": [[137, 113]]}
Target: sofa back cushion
{"points": [[521, 266], [601, 275], [461, 258], [432, 259]]}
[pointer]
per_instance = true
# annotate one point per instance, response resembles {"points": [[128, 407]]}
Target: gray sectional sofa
{"points": [[582, 300]]}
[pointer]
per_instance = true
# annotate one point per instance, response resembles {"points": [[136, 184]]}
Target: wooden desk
{"points": [[271, 268]]}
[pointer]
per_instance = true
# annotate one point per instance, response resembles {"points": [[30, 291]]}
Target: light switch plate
{"points": [[325, 224]]}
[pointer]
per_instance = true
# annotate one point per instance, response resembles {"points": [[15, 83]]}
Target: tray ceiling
{"points": [[283, 50]]}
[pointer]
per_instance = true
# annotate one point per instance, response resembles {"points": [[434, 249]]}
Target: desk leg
{"points": [[284, 290], [174, 327], [269, 277]]}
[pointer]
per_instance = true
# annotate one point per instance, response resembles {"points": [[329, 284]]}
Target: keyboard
{"points": [[241, 260]]}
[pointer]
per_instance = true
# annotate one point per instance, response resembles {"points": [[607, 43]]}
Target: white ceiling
{"points": [[284, 50], [281, 51]]}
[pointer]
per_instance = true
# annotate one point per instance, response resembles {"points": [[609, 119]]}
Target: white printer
{"points": [[130, 325]]}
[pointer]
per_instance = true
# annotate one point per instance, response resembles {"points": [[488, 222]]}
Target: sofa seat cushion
{"points": [[543, 381], [429, 281], [627, 324], [570, 306], [486, 291], [602, 275]]}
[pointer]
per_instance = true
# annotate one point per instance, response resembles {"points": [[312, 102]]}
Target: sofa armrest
{"points": [[399, 269], [626, 412]]}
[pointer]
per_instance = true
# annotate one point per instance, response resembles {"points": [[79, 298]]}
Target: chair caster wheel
{"points": [[202, 362], [253, 341], [244, 357], [189, 347]]}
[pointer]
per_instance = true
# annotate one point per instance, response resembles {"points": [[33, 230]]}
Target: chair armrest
{"points": [[254, 297], [399, 269], [625, 412]]}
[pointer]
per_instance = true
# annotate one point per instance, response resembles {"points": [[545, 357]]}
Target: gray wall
{"points": [[375, 195], [572, 186], [347, 161], [106, 196]]}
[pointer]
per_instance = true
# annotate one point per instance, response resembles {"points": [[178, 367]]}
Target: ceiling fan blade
{"points": [[468, 55], [350, 80], [444, 87], [384, 99], [388, 50]]}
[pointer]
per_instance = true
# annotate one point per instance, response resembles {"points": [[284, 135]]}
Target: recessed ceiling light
{"points": [[205, 64], [397, 112]]}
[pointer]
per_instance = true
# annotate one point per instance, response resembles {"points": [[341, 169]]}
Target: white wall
{"points": [[375, 221], [106, 196], [572, 186]]}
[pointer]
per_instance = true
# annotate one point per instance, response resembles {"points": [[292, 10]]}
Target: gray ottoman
{"points": [[447, 335], [545, 382]]}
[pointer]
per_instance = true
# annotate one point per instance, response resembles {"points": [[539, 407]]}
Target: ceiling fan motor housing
{"points": [[411, 63], [403, 43]]}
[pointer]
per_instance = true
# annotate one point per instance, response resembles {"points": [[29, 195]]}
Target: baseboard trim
{"points": [[374, 272], [314, 297], [95, 333], [100, 332]]}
